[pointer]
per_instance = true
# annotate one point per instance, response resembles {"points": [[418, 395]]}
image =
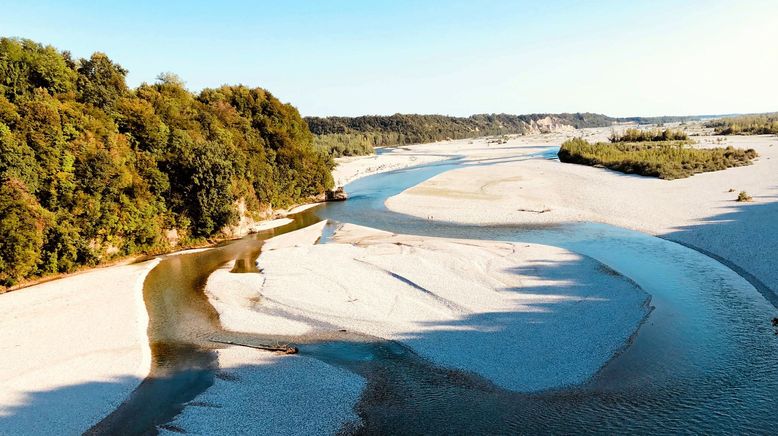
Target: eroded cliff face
{"points": [[548, 124], [248, 222]]}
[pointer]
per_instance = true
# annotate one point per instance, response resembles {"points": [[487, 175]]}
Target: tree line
{"points": [[91, 169], [352, 136], [347, 136]]}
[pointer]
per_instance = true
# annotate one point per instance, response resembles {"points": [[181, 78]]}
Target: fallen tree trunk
{"points": [[284, 348]]}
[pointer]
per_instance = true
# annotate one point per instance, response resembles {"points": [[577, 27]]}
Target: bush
{"points": [[743, 196]]}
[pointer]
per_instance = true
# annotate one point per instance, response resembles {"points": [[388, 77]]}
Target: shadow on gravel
{"points": [[745, 239]]}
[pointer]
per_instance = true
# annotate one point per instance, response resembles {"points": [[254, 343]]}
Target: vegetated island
{"points": [[667, 154], [758, 124]]}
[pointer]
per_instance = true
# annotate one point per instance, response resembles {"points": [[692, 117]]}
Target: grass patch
{"points": [[673, 159]]}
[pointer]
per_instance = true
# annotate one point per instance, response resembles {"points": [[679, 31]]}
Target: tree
{"points": [[26, 65], [100, 81], [17, 160], [22, 223]]}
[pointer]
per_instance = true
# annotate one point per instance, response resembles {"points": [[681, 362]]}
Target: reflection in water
{"points": [[703, 362]]}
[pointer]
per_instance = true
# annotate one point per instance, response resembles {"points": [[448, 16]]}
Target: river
{"points": [[705, 361]]}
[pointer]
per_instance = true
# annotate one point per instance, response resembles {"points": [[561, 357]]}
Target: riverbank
{"points": [[348, 169], [76, 346], [73, 349], [699, 211], [527, 317]]}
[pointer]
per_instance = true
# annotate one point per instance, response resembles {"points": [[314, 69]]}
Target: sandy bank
{"points": [[258, 392], [73, 349], [528, 317], [699, 211], [349, 169]]}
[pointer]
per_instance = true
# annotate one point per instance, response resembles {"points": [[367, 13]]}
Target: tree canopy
{"points": [[91, 169]]}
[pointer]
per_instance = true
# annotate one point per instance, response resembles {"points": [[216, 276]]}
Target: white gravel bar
{"points": [[73, 349]]}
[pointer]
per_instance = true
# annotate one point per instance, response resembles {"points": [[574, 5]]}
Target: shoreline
{"points": [[77, 286], [260, 226], [143, 323], [281, 394], [768, 293]]}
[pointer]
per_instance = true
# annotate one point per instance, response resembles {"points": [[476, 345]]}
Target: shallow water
{"points": [[705, 361]]}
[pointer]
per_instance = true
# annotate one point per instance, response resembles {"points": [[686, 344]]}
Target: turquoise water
{"points": [[705, 360]]}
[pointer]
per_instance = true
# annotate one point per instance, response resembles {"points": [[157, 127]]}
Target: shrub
{"points": [[743, 196]]}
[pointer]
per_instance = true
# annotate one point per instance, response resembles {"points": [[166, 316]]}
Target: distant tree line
{"points": [[90, 169], [660, 120], [346, 136], [351, 136], [760, 124]]}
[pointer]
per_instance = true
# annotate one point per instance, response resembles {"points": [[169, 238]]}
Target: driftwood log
{"points": [[284, 348]]}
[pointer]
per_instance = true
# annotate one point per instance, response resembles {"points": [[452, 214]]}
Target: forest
{"points": [[92, 170]]}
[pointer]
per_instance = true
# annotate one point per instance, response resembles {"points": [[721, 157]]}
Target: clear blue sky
{"points": [[357, 57]]}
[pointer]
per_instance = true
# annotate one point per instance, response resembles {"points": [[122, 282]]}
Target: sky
{"points": [[357, 57]]}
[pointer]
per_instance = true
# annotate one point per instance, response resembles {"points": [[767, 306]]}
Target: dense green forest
{"points": [[90, 169], [352, 136], [666, 154], [761, 124]]}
